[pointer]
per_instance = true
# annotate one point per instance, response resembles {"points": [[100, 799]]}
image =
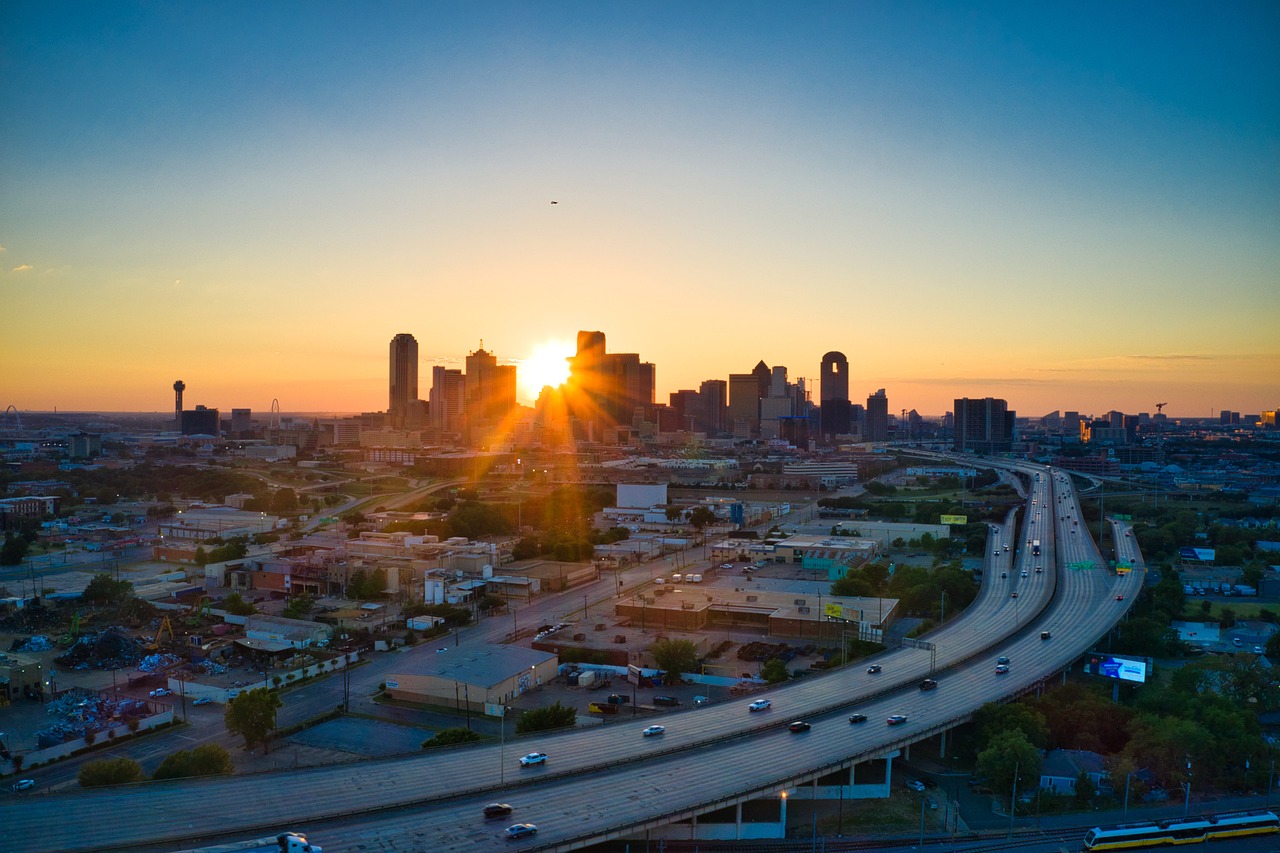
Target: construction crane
{"points": [[1160, 408]]}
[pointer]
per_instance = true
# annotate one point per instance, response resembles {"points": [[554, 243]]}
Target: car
{"points": [[915, 785], [873, 669], [497, 810], [929, 783], [897, 719], [521, 830], [1024, 573], [1119, 598], [928, 684], [1039, 570], [799, 726], [203, 700], [1004, 575], [1044, 635], [533, 758], [1013, 595], [160, 691], [23, 785], [1002, 668], [857, 718], [1235, 641], [1004, 660], [666, 701], [1257, 650], [760, 705], [653, 730], [1126, 533]]}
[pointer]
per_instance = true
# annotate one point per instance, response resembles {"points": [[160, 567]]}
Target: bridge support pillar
{"points": [[942, 743]]}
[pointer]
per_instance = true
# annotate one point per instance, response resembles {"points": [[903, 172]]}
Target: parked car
{"points": [[760, 705], [202, 700], [799, 726], [533, 758], [653, 730], [521, 830], [915, 785], [929, 783], [666, 701], [497, 810], [857, 718], [160, 691]]}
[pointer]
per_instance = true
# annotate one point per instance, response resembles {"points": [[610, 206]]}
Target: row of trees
{"points": [[208, 759]]}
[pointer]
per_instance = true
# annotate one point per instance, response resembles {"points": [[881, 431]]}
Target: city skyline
{"points": [[1063, 208]]}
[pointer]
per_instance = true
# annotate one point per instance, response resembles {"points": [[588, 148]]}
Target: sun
{"points": [[546, 365]]}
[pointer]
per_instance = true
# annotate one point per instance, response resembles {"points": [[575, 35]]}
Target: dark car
{"points": [[497, 810], [929, 783], [799, 726], [666, 701], [857, 718], [873, 669], [928, 684]]}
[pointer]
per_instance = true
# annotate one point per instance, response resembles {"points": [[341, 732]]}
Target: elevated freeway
{"points": [[716, 765]]}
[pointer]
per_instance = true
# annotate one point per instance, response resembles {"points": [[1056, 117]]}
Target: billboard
{"points": [[1118, 667], [1203, 555], [953, 519], [836, 610]]}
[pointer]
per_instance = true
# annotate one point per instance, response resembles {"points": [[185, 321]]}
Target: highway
{"points": [[610, 782]]}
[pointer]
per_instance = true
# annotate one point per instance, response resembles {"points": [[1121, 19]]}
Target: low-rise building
{"points": [[473, 676]]}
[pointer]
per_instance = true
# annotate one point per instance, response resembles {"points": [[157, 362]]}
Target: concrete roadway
{"points": [[716, 772]]}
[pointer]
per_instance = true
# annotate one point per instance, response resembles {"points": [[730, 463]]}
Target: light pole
{"points": [[1013, 797], [1186, 803]]}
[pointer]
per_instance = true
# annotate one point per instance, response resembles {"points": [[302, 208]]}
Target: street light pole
{"points": [[1186, 803]]}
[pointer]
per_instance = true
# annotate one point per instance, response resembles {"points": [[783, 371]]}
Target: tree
{"points": [[209, 759], [103, 589], [109, 771], [237, 606], [284, 500], [450, 737], [774, 671], [1009, 753], [673, 513], [675, 657], [554, 716], [299, 607], [252, 715], [202, 557], [701, 516], [13, 550]]}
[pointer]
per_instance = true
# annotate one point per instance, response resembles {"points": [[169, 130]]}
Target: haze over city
{"points": [[1068, 208]]}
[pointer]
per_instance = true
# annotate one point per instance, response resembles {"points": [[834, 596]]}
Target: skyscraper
{"points": [[983, 425], [833, 394], [404, 380], [605, 388], [490, 397], [877, 423], [448, 396]]}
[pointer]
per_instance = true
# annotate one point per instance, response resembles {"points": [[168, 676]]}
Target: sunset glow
{"points": [[546, 365]]}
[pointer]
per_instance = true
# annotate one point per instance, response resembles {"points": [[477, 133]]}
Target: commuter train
{"points": [[1181, 831]]}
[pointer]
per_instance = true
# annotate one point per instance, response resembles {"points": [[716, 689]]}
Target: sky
{"points": [[1070, 206]]}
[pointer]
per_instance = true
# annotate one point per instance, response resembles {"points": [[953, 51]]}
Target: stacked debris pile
{"points": [[38, 643], [77, 713], [210, 667], [156, 663], [111, 648]]}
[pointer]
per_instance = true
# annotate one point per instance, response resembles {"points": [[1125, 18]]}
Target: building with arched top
{"points": [[403, 397], [833, 394]]}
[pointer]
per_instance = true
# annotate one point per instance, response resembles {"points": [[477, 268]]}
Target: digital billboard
{"points": [[954, 519], [1118, 667], [1203, 555]]}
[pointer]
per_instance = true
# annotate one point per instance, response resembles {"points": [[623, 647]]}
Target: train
{"points": [[1181, 830]]}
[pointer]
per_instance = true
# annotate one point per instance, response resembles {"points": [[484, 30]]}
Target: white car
{"points": [[760, 705], [533, 758], [203, 700], [23, 785], [653, 730], [160, 691]]}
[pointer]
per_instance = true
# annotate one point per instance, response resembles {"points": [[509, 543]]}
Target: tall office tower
{"points": [[833, 394], [404, 380], [877, 426], [713, 398], [983, 425], [606, 388], [685, 405], [777, 404], [744, 405], [178, 388], [490, 397], [447, 399], [241, 423], [200, 421]]}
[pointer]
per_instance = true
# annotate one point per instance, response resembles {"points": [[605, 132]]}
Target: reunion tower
{"points": [[178, 388]]}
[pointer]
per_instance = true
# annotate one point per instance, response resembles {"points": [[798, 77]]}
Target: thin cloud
{"points": [[3, 249], [22, 267]]}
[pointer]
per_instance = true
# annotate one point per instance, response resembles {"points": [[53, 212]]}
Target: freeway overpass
{"points": [[718, 772]]}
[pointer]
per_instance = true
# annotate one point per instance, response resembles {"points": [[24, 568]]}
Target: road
{"points": [[609, 782]]}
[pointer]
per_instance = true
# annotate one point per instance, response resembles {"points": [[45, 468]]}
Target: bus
{"points": [[1181, 830]]}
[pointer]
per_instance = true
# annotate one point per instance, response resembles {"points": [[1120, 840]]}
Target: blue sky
{"points": [[1069, 206]]}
